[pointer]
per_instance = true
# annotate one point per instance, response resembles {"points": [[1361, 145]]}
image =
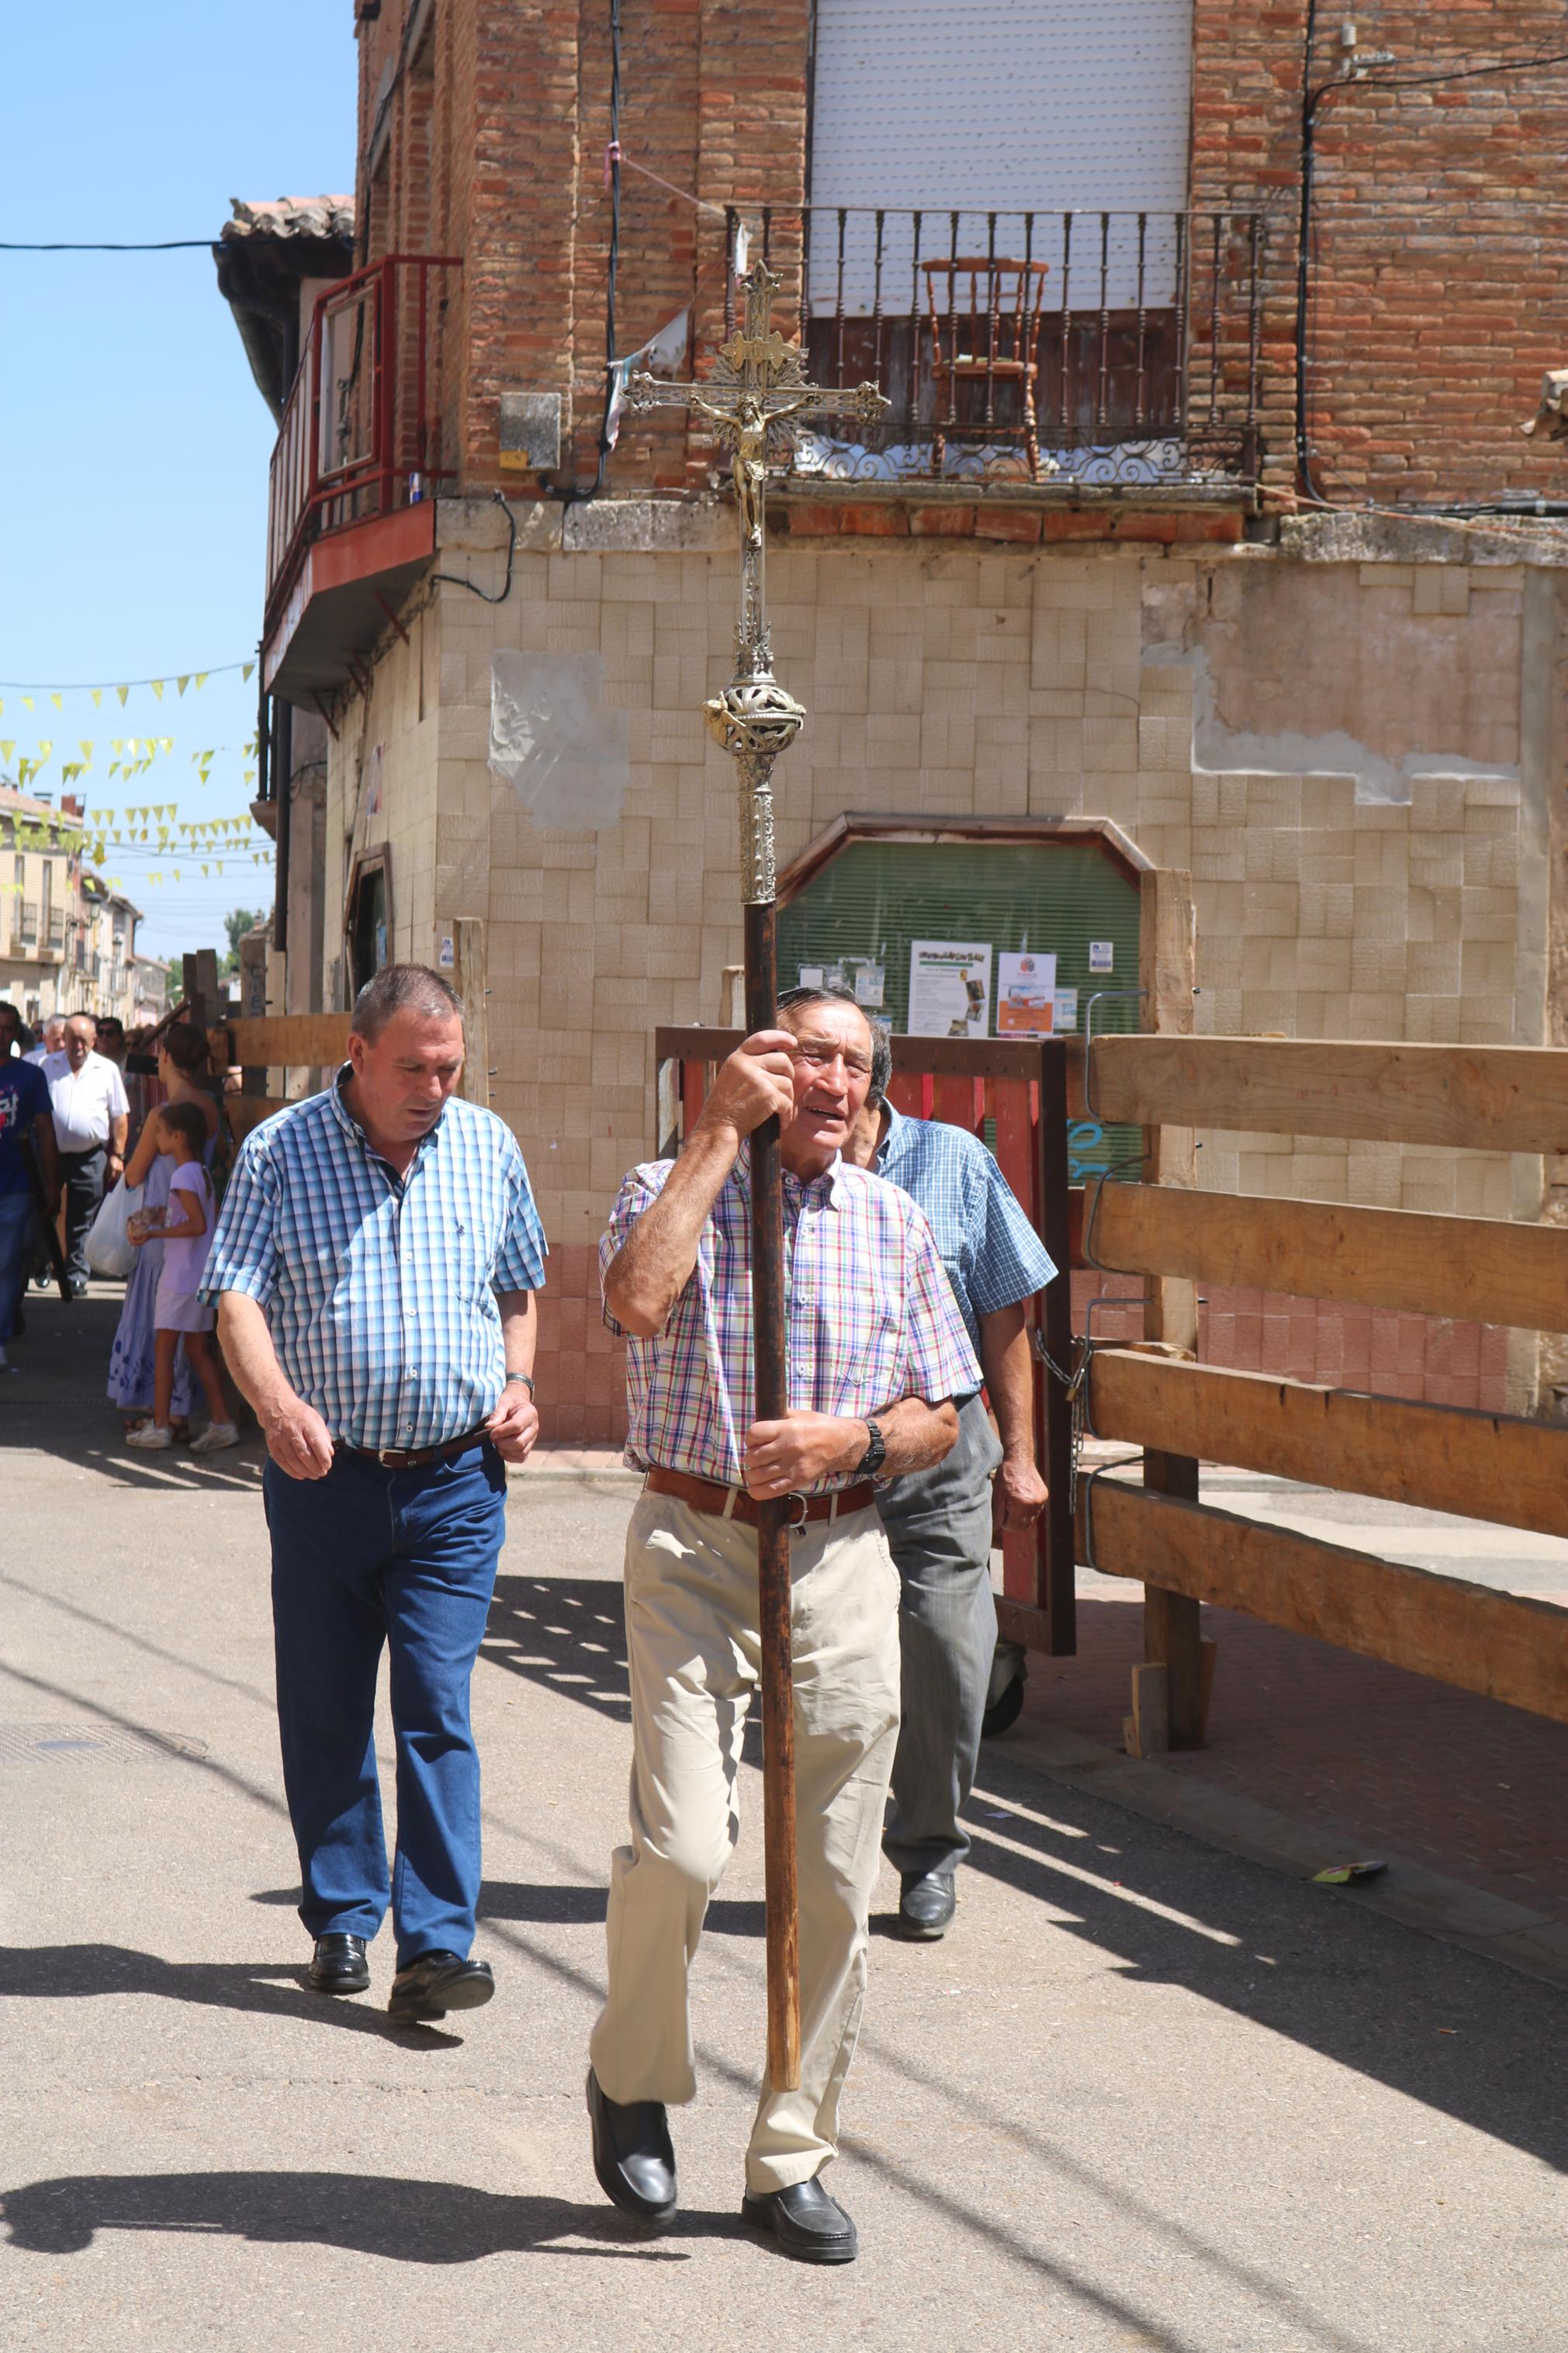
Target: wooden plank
{"points": [[246, 1111], [1169, 1712], [1482, 1098], [1481, 1268], [1501, 1645], [293, 1040], [1439, 1458]]}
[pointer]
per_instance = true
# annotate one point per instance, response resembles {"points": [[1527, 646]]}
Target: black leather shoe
{"points": [[337, 1965], [634, 2162], [807, 2223], [927, 1900], [434, 1984]]}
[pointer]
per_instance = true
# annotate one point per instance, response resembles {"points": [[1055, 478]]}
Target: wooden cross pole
{"points": [[758, 385]]}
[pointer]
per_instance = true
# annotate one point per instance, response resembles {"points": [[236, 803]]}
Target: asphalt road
{"points": [[1145, 2095]]}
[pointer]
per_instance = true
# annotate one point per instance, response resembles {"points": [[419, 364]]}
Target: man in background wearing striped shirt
{"points": [[877, 1357], [374, 1267]]}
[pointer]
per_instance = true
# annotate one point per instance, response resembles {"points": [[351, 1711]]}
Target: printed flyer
{"points": [[950, 988], [1026, 995]]}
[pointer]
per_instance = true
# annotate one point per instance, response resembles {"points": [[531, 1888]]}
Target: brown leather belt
{"points": [[733, 1503], [413, 1458]]}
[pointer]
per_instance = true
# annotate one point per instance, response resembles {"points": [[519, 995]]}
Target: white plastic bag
{"points": [[110, 1250]]}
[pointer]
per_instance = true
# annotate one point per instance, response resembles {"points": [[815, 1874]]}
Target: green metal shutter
{"points": [[878, 897]]}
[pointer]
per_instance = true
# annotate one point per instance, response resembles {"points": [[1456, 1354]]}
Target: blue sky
{"points": [[136, 442]]}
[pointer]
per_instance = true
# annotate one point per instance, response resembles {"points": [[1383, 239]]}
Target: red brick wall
{"points": [[1439, 293], [1322, 1340], [581, 1370], [1439, 287]]}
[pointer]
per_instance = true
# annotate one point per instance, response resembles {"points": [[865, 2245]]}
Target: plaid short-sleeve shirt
{"points": [[869, 1318], [381, 1290]]}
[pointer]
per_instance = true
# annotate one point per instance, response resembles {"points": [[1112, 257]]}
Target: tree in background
{"points": [[239, 921], [236, 923]]}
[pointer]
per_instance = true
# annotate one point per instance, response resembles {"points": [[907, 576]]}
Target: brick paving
{"points": [[1401, 1766]]}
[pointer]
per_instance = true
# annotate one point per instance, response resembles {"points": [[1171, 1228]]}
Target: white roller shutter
{"points": [[1017, 105]]}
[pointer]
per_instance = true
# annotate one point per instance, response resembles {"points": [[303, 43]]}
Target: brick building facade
{"points": [[1344, 724]]}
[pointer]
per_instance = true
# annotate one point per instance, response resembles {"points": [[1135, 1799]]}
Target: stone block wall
{"points": [[955, 679]]}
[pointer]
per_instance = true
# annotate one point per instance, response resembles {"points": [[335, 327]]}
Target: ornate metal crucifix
{"points": [[758, 385]]}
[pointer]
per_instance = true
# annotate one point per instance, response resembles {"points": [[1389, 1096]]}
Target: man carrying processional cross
{"points": [[755, 1556]]}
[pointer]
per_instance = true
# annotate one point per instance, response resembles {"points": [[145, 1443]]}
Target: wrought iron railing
{"points": [[365, 430], [29, 920], [1081, 347]]}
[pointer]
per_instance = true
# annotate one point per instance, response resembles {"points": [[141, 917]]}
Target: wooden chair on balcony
{"points": [[992, 305]]}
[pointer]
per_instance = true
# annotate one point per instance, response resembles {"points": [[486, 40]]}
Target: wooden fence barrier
{"points": [[1482, 1466]]}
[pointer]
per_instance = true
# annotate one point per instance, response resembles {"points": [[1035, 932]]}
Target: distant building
{"points": [[68, 941]]}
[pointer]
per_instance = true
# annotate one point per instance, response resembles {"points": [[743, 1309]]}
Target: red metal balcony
{"points": [[362, 447]]}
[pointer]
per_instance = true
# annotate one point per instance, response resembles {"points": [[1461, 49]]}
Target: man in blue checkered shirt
{"points": [[374, 1267], [939, 1522]]}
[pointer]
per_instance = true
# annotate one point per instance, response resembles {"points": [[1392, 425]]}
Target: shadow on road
{"points": [[367, 2213], [576, 1907], [567, 1633], [265, 1988], [58, 1404]]}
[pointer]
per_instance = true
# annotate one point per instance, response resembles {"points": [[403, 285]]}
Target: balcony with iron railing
{"points": [[366, 432], [1079, 349]]}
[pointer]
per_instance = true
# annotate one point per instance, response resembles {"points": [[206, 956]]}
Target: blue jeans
{"points": [[15, 1233], [363, 1558]]}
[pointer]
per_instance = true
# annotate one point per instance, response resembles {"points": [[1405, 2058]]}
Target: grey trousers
{"points": [[938, 1526]]}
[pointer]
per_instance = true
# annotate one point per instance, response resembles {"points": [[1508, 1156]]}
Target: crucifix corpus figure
{"points": [[754, 1554], [758, 385]]}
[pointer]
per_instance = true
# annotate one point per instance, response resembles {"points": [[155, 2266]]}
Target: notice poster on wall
{"points": [[950, 988], [1026, 995], [1065, 1016]]}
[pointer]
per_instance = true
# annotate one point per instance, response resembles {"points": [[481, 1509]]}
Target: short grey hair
{"points": [[882, 1063], [403, 988]]}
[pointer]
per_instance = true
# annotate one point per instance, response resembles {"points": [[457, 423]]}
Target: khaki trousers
{"points": [[693, 1648]]}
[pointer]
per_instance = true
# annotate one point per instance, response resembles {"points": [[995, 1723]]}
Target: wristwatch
{"points": [[526, 1377], [876, 1454]]}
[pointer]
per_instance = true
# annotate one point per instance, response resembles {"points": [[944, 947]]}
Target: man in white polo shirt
{"points": [[87, 1096]]}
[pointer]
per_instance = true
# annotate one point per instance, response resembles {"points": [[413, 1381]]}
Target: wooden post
{"points": [[1056, 1591], [470, 979], [1172, 1635], [772, 1540]]}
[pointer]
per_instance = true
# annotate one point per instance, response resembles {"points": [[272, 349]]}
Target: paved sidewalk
{"points": [[1146, 2095]]}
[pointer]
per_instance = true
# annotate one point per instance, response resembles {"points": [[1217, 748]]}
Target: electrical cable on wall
{"points": [[497, 498], [573, 494], [1312, 99]]}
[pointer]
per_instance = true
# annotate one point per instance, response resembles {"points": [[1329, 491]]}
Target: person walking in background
{"points": [[15, 1037], [940, 1522], [181, 1321], [375, 1268], [112, 1040], [51, 1038], [91, 1117], [26, 1122], [181, 1072]]}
